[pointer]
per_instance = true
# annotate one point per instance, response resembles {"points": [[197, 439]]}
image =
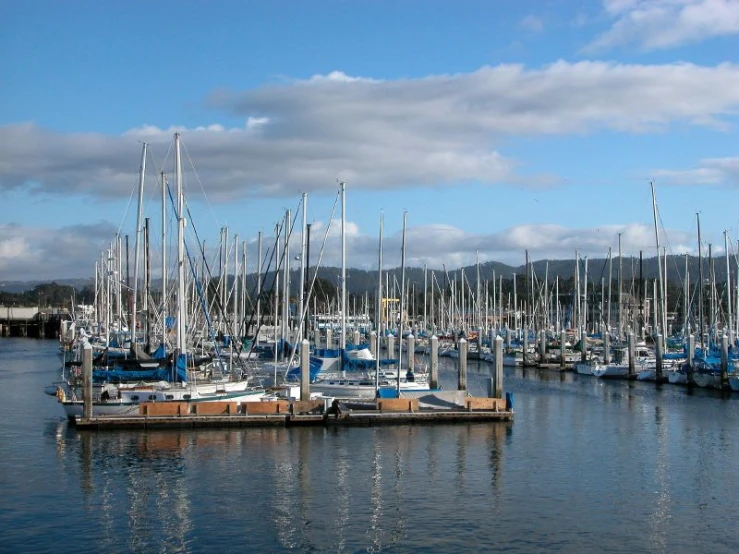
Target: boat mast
{"points": [[303, 264], [378, 318], [164, 260], [181, 347], [620, 288], [259, 286], [402, 298], [659, 309], [728, 288], [286, 281], [137, 245], [700, 283]]}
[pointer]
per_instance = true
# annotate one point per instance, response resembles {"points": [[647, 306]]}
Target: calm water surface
{"points": [[587, 466]]}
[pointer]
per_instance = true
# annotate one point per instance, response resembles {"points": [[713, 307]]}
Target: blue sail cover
{"points": [[293, 374], [158, 374], [160, 353], [356, 364], [112, 375]]}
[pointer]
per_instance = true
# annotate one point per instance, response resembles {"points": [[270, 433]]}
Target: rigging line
{"points": [[202, 188], [318, 263], [290, 230], [272, 258], [128, 205]]}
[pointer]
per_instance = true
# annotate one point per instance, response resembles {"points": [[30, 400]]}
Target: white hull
{"points": [[612, 371], [677, 378], [513, 361], [363, 387], [126, 401], [587, 368], [707, 380]]}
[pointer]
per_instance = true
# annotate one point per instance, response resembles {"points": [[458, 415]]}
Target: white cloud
{"points": [[437, 130], [446, 245], [40, 253], [659, 24], [712, 171], [532, 23]]}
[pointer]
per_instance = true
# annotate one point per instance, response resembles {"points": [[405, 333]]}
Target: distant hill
{"points": [[360, 280], [22, 286]]}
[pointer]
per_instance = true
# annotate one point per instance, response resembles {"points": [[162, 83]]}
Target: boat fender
{"points": [[60, 394]]}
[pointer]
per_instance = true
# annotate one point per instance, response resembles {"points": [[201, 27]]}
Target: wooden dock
{"points": [[396, 411]]}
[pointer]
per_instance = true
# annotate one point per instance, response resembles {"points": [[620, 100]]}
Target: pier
{"points": [[30, 322], [392, 411]]}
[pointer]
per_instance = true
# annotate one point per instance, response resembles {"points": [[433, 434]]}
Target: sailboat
{"points": [[212, 385]]}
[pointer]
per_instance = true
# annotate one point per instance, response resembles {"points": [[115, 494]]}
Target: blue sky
{"points": [[499, 126]]}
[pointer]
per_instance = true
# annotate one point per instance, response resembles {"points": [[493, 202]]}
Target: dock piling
{"points": [[632, 353], [87, 381], [434, 382], [562, 347], [498, 367], [658, 350], [373, 344], [724, 360], [411, 352], [304, 370], [542, 347], [462, 365]]}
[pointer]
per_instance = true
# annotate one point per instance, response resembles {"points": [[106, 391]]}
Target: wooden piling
{"points": [[658, 350], [329, 338], [632, 353], [391, 347]]}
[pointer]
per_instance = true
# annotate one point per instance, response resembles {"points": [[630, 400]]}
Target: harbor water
{"points": [[586, 466]]}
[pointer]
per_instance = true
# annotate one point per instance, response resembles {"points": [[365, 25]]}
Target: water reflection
{"points": [[659, 521], [318, 489]]}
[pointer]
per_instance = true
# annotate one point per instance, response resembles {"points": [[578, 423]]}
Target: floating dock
{"points": [[390, 411]]}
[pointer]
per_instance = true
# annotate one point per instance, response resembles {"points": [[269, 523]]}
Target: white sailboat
{"points": [[124, 398]]}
